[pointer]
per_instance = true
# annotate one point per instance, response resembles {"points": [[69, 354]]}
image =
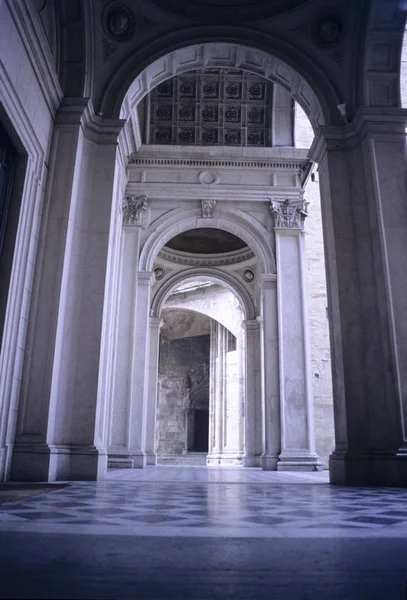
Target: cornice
{"points": [[79, 111], [373, 121], [206, 260], [222, 193]]}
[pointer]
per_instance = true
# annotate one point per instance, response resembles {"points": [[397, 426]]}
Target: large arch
{"points": [[261, 54], [238, 223]]}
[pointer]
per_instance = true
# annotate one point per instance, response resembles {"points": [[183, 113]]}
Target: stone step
{"points": [[192, 458]]}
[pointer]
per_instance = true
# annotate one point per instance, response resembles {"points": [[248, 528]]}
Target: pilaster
{"points": [[296, 403], [61, 420]]}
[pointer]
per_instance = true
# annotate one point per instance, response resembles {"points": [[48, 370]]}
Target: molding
{"points": [[206, 260], [230, 163]]}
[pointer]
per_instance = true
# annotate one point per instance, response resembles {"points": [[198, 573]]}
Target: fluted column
{"points": [[252, 395], [271, 427], [151, 400]]}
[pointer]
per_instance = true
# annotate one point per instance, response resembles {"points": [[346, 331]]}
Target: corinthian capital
{"points": [[133, 208], [288, 213]]}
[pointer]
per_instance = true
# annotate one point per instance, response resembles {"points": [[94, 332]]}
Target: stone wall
{"points": [[184, 364], [319, 326]]}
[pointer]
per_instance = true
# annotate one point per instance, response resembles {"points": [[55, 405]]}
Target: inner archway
{"points": [[200, 376]]}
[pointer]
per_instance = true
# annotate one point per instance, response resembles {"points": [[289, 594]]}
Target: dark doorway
{"points": [[201, 430]]}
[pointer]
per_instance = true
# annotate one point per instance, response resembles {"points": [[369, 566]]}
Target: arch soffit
{"points": [[379, 72], [239, 223], [76, 23], [216, 275], [178, 54]]}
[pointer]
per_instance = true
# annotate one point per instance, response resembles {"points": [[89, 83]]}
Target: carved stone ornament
{"points": [[289, 214], [133, 208], [208, 206]]}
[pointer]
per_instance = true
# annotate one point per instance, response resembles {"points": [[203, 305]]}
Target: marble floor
{"points": [[206, 533]]}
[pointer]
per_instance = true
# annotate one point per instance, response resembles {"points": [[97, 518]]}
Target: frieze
{"points": [[199, 260]]}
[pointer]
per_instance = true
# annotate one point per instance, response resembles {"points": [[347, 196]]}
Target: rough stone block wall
{"points": [[319, 326], [178, 358], [317, 303]]}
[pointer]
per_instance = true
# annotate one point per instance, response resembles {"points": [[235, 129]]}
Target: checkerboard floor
{"points": [[213, 502]]}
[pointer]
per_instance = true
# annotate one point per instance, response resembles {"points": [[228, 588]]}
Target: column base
{"points": [[250, 460], [119, 458], [379, 468], [44, 462], [139, 460], [298, 461], [268, 462], [224, 458], [151, 458], [5, 454]]}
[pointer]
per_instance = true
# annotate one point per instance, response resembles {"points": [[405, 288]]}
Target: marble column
{"points": [[217, 391], [271, 427], [62, 418], [363, 183], [152, 398], [252, 395], [225, 398], [296, 402]]}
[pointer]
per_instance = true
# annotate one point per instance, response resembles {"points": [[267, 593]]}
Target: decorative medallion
{"points": [[254, 114], [164, 112], [232, 113], [186, 112], [159, 272], [162, 136], [120, 23], [227, 11], [210, 113], [255, 138], [187, 89], [232, 137], [186, 135], [248, 275], [208, 177], [164, 90], [256, 91], [328, 29], [209, 136], [233, 89], [210, 89]]}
